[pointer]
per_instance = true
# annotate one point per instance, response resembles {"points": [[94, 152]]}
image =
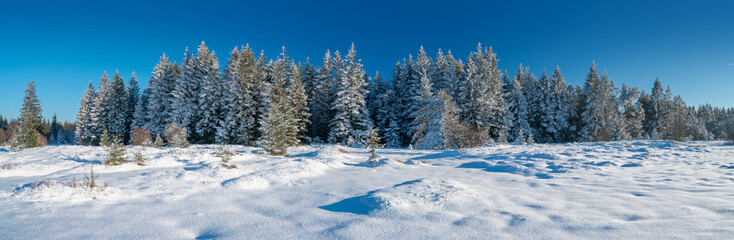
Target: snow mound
{"points": [[425, 194], [247, 183]]}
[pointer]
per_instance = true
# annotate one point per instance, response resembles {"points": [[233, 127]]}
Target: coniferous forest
{"points": [[430, 101]]}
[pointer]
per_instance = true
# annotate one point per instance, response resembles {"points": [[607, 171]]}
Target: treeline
{"points": [[429, 103]]}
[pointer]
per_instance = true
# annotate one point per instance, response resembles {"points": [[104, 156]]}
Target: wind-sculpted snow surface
{"points": [[617, 190]]}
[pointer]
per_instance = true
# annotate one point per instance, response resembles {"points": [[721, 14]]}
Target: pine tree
{"points": [[84, 125], [100, 110], [53, 134], [27, 135], [554, 109], [481, 95], [186, 95], [211, 105], [296, 92], [351, 120], [133, 97], [279, 125], [226, 132], [518, 109], [160, 97], [657, 114], [446, 78], [116, 105], [321, 97], [140, 118], [600, 115], [427, 132], [633, 112]]}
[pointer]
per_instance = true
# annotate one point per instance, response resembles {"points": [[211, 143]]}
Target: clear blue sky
{"points": [[63, 45]]}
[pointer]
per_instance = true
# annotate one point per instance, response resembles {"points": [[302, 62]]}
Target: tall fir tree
{"points": [[657, 112], [633, 112], [84, 129], [186, 95], [100, 109], [280, 125], [117, 108], [211, 104], [520, 131], [600, 116], [555, 108], [427, 132], [27, 135], [351, 120], [481, 94], [321, 96], [160, 95], [133, 97]]}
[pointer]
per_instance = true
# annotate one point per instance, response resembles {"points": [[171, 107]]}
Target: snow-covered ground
{"points": [[616, 190]]}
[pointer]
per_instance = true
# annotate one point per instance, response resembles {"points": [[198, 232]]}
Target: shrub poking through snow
{"points": [[176, 136], [139, 159], [115, 153], [141, 137], [373, 141], [90, 181], [226, 155], [158, 141]]}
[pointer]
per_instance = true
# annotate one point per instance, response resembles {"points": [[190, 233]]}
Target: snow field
{"points": [[617, 190]]}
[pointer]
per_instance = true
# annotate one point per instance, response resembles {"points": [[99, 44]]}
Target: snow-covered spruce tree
{"points": [[27, 135], [84, 126], [140, 118], [160, 95], [408, 90], [320, 97], [481, 94], [186, 95], [371, 99], [279, 127], [600, 115], [133, 97], [633, 112], [657, 112], [554, 109], [394, 135], [351, 120], [211, 99], [518, 109], [446, 75], [696, 129], [53, 132], [232, 77], [117, 108], [427, 132], [309, 79], [533, 97], [100, 109], [296, 92]]}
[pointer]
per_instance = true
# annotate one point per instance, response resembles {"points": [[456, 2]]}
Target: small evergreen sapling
{"points": [[139, 159], [373, 141], [115, 153], [158, 141]]}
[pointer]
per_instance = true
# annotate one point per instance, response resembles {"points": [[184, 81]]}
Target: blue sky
{"points": [[63, 45]]}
